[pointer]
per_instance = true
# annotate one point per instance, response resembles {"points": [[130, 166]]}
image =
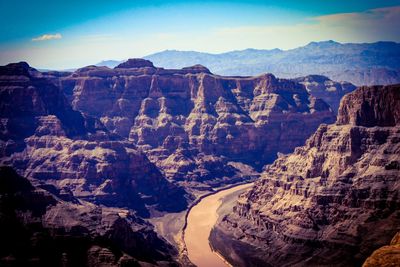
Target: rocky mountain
{"points": [[329, 91], [39, 228], [194, 125], [360, 64], [331, 202]]}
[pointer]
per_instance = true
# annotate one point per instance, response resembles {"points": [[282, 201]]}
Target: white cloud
{"points": [[46, 37]]}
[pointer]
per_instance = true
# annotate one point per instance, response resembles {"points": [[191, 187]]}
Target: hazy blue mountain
{"points": [[366, 63]]}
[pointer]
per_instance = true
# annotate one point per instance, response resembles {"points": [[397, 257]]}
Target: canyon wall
{"points": [[190, 122], [332, 201]]}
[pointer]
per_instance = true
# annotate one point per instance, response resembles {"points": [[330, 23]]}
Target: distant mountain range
{"points": [[360, 64]]}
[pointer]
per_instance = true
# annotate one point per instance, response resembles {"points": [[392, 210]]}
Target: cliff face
{"points": [[329, 91], [124, 140], [332, 201], [38, 228], [25, 96], [48, 142], [371, 106], [190, 121]]}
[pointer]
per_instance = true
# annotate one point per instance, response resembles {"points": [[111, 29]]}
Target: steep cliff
{"points": [[48, 142], [332, 201], [25, 96], [189, 121]]}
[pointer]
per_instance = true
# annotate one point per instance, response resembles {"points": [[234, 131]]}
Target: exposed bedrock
{"points": [[45, 140], [200, 118], [331, 202]]}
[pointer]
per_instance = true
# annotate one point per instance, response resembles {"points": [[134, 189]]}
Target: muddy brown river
{"points": [[201, 219]]}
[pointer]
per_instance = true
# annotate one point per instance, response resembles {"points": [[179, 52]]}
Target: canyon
{"points": [[90, 158], [190, 121], [115, 147]]}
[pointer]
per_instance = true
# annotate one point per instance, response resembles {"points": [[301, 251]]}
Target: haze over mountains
{"points": [[358, 63]]}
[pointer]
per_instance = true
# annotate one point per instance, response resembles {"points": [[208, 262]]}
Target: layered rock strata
{"points": [[190, 122], [331, 202], [45, 140]]}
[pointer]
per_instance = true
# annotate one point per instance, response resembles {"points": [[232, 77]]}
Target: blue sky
{"points": [[66, 34]]}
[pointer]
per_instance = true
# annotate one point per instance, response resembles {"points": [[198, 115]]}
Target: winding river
{"points": [[201, 219]]}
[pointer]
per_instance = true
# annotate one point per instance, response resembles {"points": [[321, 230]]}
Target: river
{"points": [[201, 219]]}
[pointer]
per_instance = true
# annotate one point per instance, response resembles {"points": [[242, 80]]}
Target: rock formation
{"points": [[196, 126], [329, 91], [48, 142], [38, 228], [136, 140], [332, 201]]}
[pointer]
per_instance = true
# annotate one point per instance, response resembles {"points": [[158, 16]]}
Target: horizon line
{"points": [[202, 52]]}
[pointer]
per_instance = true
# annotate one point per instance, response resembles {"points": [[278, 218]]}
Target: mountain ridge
{"points": [[359, 63]]}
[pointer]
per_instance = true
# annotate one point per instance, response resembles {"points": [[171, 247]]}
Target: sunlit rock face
{"points": [[332, 201], [45, 140], [196, 126]]}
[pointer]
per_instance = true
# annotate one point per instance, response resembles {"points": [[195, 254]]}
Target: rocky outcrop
{"points": [[385, 256], [136, 63], [49, 143], [24, 97], [38, 228], [332, 201], [371, 106], [329, 91], [188, 121]]}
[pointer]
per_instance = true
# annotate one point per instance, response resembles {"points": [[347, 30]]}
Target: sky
{"points": [[69, 34]]}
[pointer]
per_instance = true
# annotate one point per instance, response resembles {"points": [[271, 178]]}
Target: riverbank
{"points": [[171, 226], [201, 218]]}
